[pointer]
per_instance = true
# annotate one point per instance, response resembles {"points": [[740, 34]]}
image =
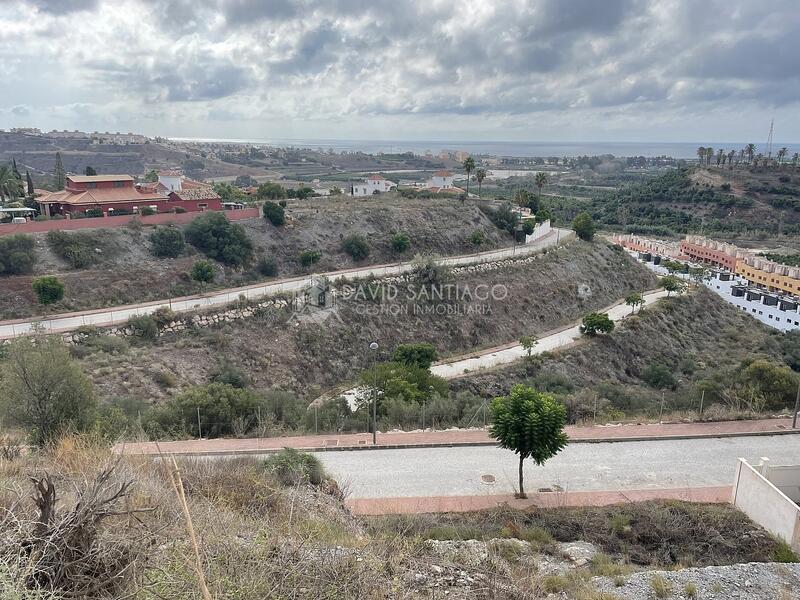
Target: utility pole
{"points": [[702, 397], [661, 413], [374, 346], [796, 408], [199, 429]]}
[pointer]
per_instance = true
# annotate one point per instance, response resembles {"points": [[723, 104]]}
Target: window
{"points": [[91, 185], [119, 184]]}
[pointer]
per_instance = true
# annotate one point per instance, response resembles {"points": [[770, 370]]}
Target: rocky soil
{"points": [[751, 581]]}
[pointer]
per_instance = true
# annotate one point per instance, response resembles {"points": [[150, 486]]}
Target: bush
{"points": [[179, 210], [310, 257], [274, 213], [282, 203], [94, 213], [17, 255], [202, 272], [477, 238], [400, 242], [146, 211], [504, 217], [271, 191], [428, 271], [228, 374], [48, 289], [220, 239], [144, 327], [267, 266], [595, 323], [584, 226], [658, 376], [356, 246], [292, 467], [77, 249], [420, 355], [43, 390], [167, 242], [528, 227], [220, 405]]}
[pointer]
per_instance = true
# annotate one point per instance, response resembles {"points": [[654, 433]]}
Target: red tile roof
{"points": [[90, 178], [376, 178], [443, 173], [169, 173], [101, 196], [205, 192]]}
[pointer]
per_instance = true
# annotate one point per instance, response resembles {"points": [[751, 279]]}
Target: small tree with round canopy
{"points": [[531, 423]]}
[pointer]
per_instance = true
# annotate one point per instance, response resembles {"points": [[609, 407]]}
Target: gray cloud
{"points": [[407, 66]]}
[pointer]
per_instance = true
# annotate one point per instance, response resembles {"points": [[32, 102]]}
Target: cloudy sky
{"points": [[550, 70]]}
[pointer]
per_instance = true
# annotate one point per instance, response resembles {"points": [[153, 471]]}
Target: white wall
{"points": [[766, 504], [783, 320], [541, 230]]}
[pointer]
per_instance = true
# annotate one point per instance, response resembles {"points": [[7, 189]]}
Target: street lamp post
{"points": [[374, 346], [796, 408]]}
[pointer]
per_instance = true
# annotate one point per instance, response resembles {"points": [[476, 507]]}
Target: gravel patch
{"points": [[750, 581]]}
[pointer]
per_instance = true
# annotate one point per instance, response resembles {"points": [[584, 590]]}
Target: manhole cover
{"points": [[487, 478]]}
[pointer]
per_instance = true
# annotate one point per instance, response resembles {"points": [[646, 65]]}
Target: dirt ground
{"points": [[310, 354], [125, 271]]}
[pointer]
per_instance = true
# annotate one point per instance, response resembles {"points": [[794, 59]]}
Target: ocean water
{"points": [[511, 149]]}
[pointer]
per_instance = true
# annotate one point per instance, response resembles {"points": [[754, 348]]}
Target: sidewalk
{"points": [[445, 504], [460, 437]]}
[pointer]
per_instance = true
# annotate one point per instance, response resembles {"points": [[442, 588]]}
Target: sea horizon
{"points": [[513, 149]]}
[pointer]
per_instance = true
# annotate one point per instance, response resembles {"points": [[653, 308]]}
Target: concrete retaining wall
{"points": [[765, 503]]}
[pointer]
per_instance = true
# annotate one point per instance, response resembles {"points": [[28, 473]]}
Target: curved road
{"points": [[106, 317], [501, 355], [687, 463]]}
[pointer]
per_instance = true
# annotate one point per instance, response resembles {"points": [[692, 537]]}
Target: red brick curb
{"points": [[452, 438]]}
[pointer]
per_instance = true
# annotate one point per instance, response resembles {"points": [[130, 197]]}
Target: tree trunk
{"points": [[521, 487]]}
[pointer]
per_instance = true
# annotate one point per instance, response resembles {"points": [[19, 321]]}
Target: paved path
{"points": [[499, 355], [457, 437], [484, 470], [445, 504], [107, 317]]}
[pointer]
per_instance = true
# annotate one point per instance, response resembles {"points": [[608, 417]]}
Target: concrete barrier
{"points": [[765, 502]]}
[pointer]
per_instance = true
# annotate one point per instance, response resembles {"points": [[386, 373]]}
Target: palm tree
{"points": [[750, 149], [480, 175], [720, 156], [709, 155], [9, 184], [540, 180], [757, 159], [701, 154], [781, 155], [731, 154], [469, 166]]}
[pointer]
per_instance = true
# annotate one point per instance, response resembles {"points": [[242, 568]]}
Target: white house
{"points": [[171, 180], [441, 180], [374, 184]]}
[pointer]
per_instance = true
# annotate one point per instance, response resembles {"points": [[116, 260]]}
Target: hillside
{"points": [[280, 528], [683, 344], [124, 270], [742, 202], [309, 354]]}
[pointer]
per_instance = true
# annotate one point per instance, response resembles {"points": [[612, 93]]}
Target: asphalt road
{"points": [[120, 314], [606, 466]]}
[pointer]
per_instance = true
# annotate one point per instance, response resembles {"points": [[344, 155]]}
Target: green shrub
{"points": [[48, 289], [77, 249], [421, 355], [202, 272], [528, 227], [310, 257], [658, 376], [144, 327], [94, 212], [219, 404], [179, 210], [167, 242], [783, 553], [661, 587], [218, 238], [229, 375], [274, 213], [400, 242], [292, 467], [282, 203], [267, 266], [17, 255], [271, 191], [503, 218], [477, 238], [165, 379], [584, 226], [356, 246]]}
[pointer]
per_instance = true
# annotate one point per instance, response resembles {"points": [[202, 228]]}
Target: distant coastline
{"points": [[494, 148]]}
